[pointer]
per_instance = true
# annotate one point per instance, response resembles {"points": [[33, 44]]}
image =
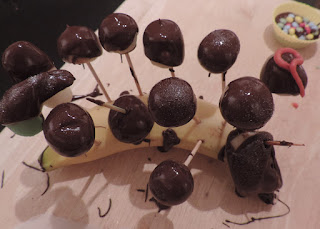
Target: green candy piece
{"points": [[28, 127], [280, 25], [283, 20]]}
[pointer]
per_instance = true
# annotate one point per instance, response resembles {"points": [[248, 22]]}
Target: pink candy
{"points": [[307, 29], [302, 24]]}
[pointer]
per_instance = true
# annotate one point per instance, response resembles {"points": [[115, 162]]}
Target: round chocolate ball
{"points": [[219, 50], [117, 32], [279, 80], [171, 183], [78, 45], [69, 130], [172, 102], [247, 103], [135, 124]]}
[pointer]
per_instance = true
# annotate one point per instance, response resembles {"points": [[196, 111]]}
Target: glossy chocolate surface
{"points": [[170, 139], [163, 43], [171, 183], [253, 164], [69, 130], [133, 126], [78, 42], [24, 100], [117, 32], [219, 50], [247, 103], [279, 80], [23, 59], [172, 102]]}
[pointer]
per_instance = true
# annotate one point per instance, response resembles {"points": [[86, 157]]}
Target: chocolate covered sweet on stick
{"points": [[21, 105], [80, 45], [118, 33], [163, 44], [218, 51], [23, 59]]}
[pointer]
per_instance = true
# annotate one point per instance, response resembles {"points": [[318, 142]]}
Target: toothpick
{"points": [[193, 153], [282, 143], [107, 105], [104, 91], [133, 73], [172, 72]]}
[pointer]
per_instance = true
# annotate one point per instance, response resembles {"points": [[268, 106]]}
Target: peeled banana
{"points": [[212, 130]]}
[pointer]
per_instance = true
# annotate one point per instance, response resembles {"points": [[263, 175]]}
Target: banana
{"points": [[212, 130]]}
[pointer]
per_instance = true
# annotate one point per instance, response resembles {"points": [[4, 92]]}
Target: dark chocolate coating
{"points": [[78, 42], [279, 80], [69, 130], [117, 32], [171, 183], [24, 100], [253, 164], [247, 103], [163, 43], [170, 139], [133, 126], [23, 59], [172, 102], [219, 50]]}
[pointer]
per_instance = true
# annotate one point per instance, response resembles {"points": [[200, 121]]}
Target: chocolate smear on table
{"points": [[104, 215], [95, 93], [48, 185], [253, 219], [23, 59], [32, 167], [24, 100], [170, 139], [78, 42]]}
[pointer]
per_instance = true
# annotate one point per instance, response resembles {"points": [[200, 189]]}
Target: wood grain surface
{"points": [[76, 192]]}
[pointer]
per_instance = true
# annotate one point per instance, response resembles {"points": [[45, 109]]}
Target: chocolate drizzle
{"points": [[170, 139], [95, 93]]}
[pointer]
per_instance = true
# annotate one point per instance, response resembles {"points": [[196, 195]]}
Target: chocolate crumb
{"points": [[48, 185], [104, 215], [201, 97], [12, 136], [149, 159]]}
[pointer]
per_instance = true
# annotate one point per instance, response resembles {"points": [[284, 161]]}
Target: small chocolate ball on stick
{"points": [[118, 33], [218, 51], [80, 45], [163, 44]]}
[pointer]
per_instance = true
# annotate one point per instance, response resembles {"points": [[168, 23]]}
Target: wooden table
{"points": [[77, 191]]}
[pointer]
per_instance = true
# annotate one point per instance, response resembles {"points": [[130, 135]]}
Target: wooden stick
{"points": [[172, 72], [99, 82], [223, 81], [282, 143], [133, 73], [193, 153], [107, 105]]}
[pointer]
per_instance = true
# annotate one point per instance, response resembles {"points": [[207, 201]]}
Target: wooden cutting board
{"points": [[76, 192]]}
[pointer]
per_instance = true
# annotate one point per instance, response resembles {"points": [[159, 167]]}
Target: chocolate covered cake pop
{"points": [[172, 102], [219, 50], [135, 124], [78, 45], [283, 74], [247, 103], [253, 164], [23, 101], [171, 183], [69, 130], [23, 59], [118, 33], [163, 43]]}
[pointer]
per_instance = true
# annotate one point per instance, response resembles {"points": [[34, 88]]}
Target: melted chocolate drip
{"points": [[117, 32], [159, 205], [219, 50], [95, 93], [23, 59], [170, 139], [78, 42], [163, 43], [279, 80], [24, 100]]}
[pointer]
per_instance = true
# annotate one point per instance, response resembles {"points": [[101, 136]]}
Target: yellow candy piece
{"points": [[292, 31], [293, 35], [298, 19], [289, 19], [309, 36]]}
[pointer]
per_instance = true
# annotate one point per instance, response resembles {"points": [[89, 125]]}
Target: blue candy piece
{"points": [[287, 27], [295, 24], [280, 25], [283, 20], [291, 15], [302, 37], [286, 30], [306, 20], [311, 24]]}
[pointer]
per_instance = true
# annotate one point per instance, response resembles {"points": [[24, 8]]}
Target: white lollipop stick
{"points": [[193, 153]]}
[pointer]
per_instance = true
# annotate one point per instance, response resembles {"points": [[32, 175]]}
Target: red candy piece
{"points": [[292, 67], [307, 29], [302, 24]]}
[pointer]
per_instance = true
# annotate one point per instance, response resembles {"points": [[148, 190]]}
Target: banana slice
{"points": [[213, 130]]}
